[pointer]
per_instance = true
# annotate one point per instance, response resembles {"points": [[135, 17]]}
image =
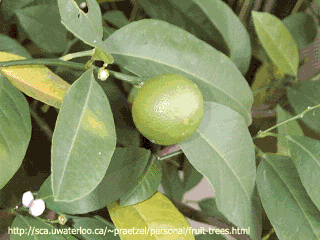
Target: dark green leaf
{"points": [[227, 160], [11, 45], [210, 235], [83, 141], [287, 204], [303, 96], [127, 134], [116, 17], [147, 185], [191, 177], [209, 205], [9, 6], [95, 225], [171, 182], [302, 27], [15, 129], [42, 24], [160, 47], [125, 169], [32, 228]]}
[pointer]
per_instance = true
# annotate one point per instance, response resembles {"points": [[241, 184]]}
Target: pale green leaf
{"points": [[287, 204], [83, 141], [302, 27], [277, 41], [160, 47], [305, 153], [15, 129], [227, 160]]}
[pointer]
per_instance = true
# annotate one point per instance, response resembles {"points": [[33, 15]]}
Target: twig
{"points": [[134, 11], [42, 124]]}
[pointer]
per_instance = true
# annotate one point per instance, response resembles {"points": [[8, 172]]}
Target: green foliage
{"points": [[99, 158]]}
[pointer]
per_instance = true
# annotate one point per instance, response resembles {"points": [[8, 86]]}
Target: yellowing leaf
{"points": [[36, 81], [155, 218]]}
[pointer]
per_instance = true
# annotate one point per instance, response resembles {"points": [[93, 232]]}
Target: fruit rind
{"points": [[168, 109]]}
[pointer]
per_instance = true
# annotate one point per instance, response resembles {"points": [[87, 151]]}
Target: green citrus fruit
{"points": [[167, 109]]}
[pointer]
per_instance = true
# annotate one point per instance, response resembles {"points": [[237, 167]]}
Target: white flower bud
{"points": [[103, 74], [27, 199], [37, 207]]}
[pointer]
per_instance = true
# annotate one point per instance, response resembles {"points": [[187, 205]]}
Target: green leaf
{"points": [[191, 177], [15, 129], [302, 27], [126, 163], [209, 236], [187, 15], [160, 47], [32, 228], [305, 95], [287, 204], [9, 7], [147, 185], [306, 157], [227, 160], [116, 17], [277, 41], [290, 128], [11, 45], [127, 133], [209, 205], [85, 26], [171, 182], [43, 26], [83, 141], [96, 225], [232, 30]]}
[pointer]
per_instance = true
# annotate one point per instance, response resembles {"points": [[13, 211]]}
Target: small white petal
{"points": [[27, 199], [37, 207], [83, 5], [103, 74]]}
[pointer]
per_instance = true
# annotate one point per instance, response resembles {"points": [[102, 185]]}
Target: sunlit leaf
{"points": [[277, 41], [157, 214], [36, 81]]}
